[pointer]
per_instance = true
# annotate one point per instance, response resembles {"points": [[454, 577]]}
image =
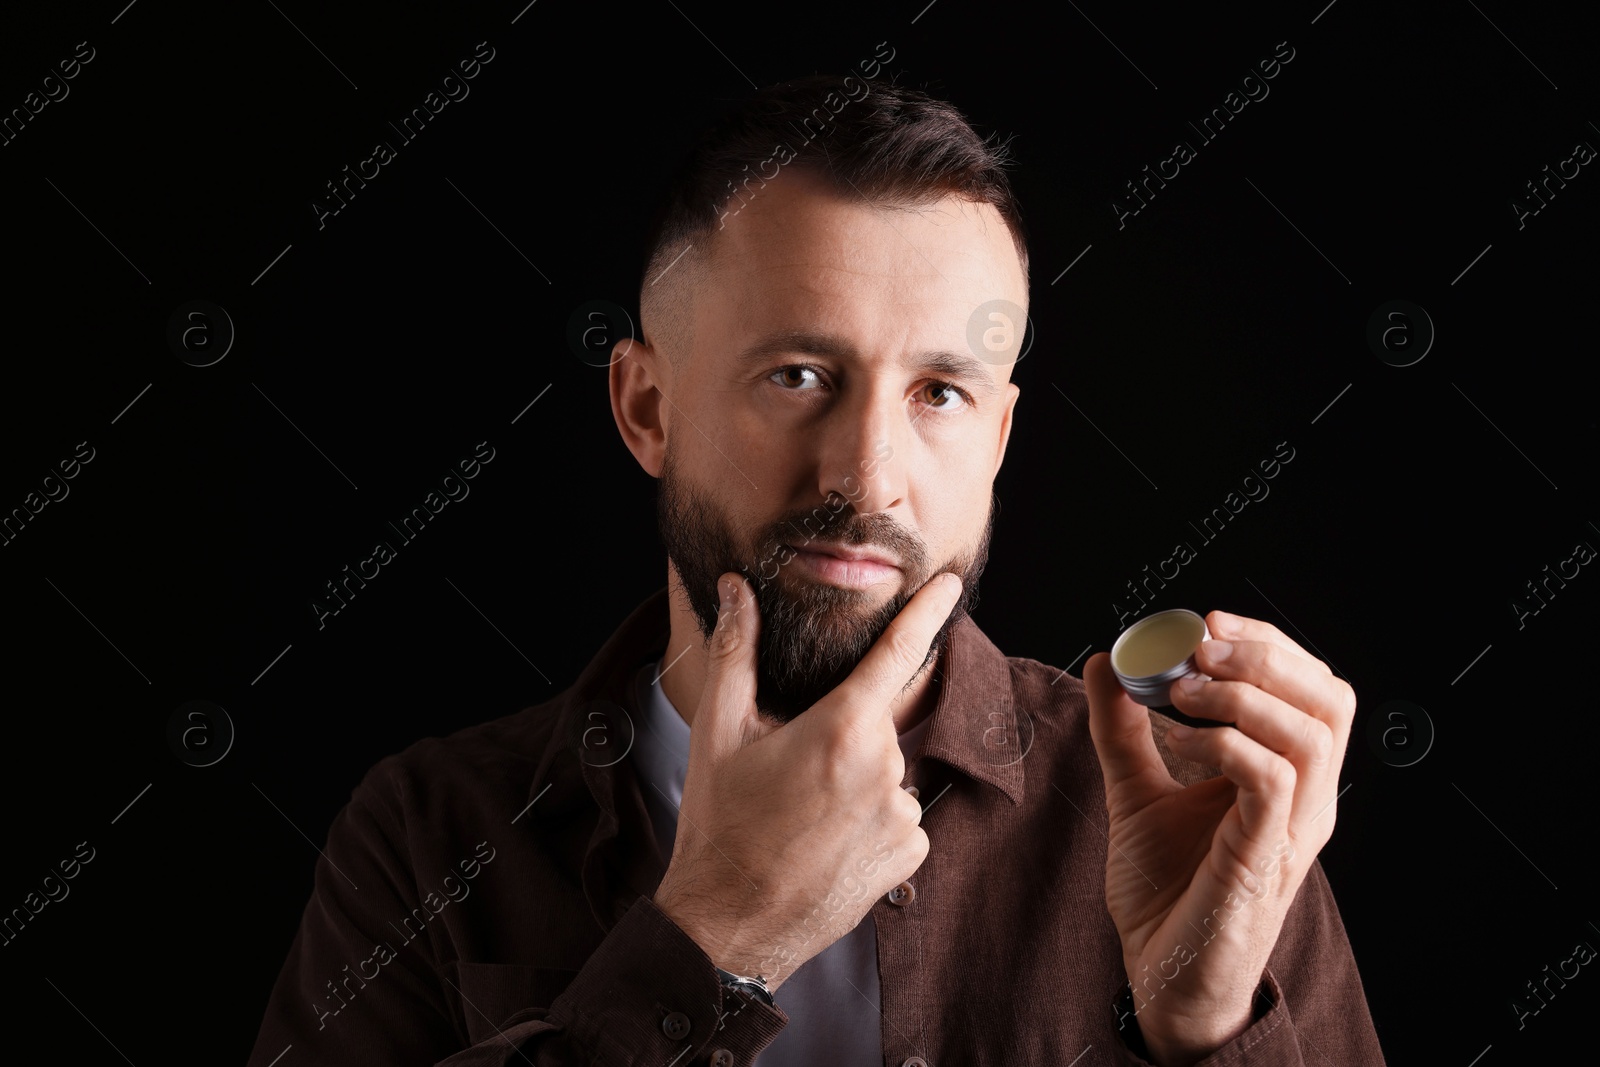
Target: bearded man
{"points": [[799, 809]]}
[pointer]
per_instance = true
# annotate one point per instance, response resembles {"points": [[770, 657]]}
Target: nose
{"points": [[864, 452]]}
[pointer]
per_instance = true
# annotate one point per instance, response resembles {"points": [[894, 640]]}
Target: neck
{"points": [[686, 659]]}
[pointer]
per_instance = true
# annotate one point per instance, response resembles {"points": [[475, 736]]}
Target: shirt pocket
{"points": [[492, 993]]}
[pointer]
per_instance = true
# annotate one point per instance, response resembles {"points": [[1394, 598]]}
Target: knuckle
{"points": [[1318, 741], [910, 807], [846, 739], [1279, 776], [843, 746], [894, 770], [1271, 659], [916, 848]]}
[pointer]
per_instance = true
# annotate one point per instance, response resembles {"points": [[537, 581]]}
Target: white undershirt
{"points": [[832, 999]]}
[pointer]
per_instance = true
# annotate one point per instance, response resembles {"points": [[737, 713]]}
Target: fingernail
{"points": [[1179, 732], [951, 579], [1226, 624], [1218, 650], [1188, 685], [725, 592]]}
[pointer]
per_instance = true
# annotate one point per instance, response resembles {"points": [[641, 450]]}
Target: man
{"points": [[799, 805]]}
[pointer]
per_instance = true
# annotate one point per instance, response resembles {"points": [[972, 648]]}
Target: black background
{"points": [[1224, 318]]}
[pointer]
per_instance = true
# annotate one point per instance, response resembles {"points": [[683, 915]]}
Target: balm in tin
{"points": [[1155, 652]]}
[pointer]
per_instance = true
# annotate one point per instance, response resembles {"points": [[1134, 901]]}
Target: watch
{"points": [[755, 987]]}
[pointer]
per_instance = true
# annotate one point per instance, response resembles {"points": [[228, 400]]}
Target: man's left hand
{"points": [[1199, 879]]}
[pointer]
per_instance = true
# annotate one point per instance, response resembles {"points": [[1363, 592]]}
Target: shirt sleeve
{"points": [[649, 994], [355, 989], [1311, 1008]]}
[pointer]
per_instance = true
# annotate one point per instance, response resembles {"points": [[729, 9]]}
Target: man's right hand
{"points": [[788, 834]]}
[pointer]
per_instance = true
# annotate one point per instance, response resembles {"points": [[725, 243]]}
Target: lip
{"points": [[863, 570], [849, 555]]}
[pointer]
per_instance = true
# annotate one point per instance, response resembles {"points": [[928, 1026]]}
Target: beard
{"points": [[813, 634]]}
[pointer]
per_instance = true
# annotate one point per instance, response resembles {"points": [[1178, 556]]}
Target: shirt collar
{"points": [[975, 726], [583, 767]]}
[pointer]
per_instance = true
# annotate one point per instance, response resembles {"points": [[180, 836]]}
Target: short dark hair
{"points": [[888, 145]]}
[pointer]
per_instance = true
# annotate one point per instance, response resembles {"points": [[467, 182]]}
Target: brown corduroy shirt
{"points": [[485, 898]]}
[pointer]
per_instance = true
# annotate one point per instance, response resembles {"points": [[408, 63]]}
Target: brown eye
{"points": [[945, 397], [795, 376]]}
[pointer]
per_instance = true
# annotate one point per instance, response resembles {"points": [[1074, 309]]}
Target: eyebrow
{"points": [[963, 368]]}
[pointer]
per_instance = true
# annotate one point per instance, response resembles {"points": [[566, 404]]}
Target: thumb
{"points": [[1120, 728], [726, 719]]}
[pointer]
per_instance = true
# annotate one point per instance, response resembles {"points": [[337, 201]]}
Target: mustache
{"points": [[842, 525]]}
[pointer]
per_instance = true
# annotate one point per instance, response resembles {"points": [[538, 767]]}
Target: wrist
{"points": [[1180, 1039], [725, 952]]}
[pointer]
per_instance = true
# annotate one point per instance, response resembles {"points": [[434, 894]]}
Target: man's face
{"points": [[827, 402], [813, 631]]}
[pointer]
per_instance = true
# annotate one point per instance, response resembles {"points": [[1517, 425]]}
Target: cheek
{"points": [[955, 533], [760, 435]]}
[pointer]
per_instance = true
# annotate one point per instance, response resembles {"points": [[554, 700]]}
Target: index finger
{"points": [[1238, 628], [901, 650]]}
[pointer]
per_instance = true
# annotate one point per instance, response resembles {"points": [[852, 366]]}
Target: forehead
{"points": [[798, 254]]}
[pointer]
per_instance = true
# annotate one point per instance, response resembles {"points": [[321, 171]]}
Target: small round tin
{"points": [[1157, 651]]}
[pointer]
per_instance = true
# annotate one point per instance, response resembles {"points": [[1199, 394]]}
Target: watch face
{"points": [[749, 987]]}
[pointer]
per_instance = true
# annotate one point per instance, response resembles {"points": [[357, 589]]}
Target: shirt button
{"points": [[914, 1061], [722, 1058], [676, 1025], [900, 896]]}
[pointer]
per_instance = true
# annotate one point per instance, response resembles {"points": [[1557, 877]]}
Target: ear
{"points": [[1012, 392], [636, 401]]}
